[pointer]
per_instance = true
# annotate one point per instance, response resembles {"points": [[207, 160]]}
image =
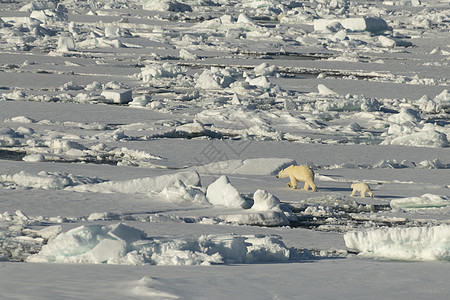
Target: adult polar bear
{"points": [[299, 173]]}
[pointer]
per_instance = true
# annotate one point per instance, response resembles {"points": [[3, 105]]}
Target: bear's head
{"points": [[283, 173]]}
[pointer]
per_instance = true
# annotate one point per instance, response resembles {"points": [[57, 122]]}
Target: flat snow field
{"points": [[140, 143]]}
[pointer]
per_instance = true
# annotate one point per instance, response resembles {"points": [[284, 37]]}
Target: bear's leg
{"points": [[363, 194], [313, 186], [353, 192], [305, 187], [293, 183]]}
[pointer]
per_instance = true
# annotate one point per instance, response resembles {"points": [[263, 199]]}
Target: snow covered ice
{"points": [[418, 243], [139, 143]]}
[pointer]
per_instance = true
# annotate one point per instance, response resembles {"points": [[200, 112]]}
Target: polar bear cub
{"points": [[362, 188], [299, 173]]}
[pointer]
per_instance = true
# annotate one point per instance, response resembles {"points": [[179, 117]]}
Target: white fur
{"points": [[362, 188], [299, 173]]}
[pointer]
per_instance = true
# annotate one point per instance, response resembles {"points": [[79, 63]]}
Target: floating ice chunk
{"points": [[103, 216], [371, 24], [93, 86], [444, 96], [436, 105], [99, 42], [38, 5], [289, 104], [433, 164], [226, 19], [125, 233], [267, 210], [214, 79], [339, 36], [50, 232], [333, 27], [243, 18], [22, 119], [424, 201], [386, 42], [222, 193], [414, 3], [235, 100], [21, 215], [426, 104], [352, 127], [108, 250], [260, 81], [183, 195], [417, 243], [63, 144], [265, 69], [443, 99], [34, 158], [140, 101], [8, 137], [194, 127], [113, 31], [264, 201], [25, 130], [184, 54], [159, 71], [65, 44], [118, 96], [325, 90], [16, 95], [264, 218], [405, 115], [166, 5]]}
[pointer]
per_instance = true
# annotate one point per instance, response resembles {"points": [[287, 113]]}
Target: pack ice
{"points": [[122, 244]]}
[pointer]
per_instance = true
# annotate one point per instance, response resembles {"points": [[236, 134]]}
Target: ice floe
{"points": [[122, 244], [415, 243], [353, 24], [422, 202]]}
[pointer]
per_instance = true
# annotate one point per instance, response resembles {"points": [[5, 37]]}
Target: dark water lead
{"points": [[12, 155]]}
